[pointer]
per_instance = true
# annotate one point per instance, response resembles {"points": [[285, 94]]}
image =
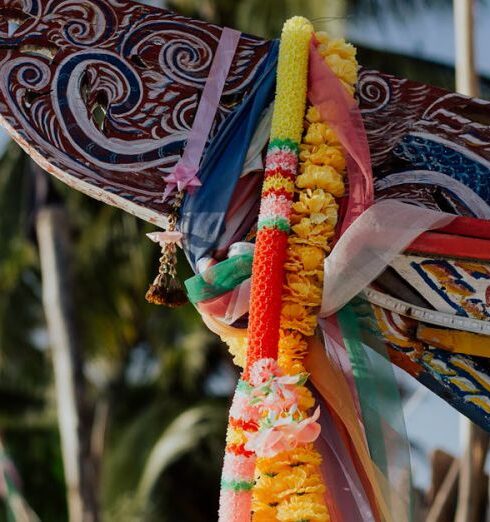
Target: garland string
{"points": [[268, 265], [269, 417]]}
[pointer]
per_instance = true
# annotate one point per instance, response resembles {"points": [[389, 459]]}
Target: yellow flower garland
{"points": [[319, 146], [289, 486]]}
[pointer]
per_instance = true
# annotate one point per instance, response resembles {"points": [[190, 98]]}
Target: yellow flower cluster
{"points": [[292, 69], [277, 182], [289, 486], [341, 58], [299, 487], [237, 346]]}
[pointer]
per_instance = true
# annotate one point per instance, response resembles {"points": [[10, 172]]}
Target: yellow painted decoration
{"points": [[481, 401], [455, 341], [479, 377]]}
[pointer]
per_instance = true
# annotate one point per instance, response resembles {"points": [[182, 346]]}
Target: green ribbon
{"points": [[379, 398], [219, 278]]}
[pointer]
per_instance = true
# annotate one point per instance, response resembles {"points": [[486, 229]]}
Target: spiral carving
{"points": [[186, 61], [103, 92], [374, 91], [84, 24]]}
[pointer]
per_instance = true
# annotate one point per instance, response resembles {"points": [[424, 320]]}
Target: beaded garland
{"points": [[268, 265], [278, 190], [288, 486]]}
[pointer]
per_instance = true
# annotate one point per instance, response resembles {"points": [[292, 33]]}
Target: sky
{"points": [[3, 140], [426, 33]]}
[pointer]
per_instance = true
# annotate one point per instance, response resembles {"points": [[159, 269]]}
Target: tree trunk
{"points": [[53, 239]]}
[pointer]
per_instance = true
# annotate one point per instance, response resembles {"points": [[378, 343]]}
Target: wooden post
{"points": [[53, 239], [464, 38], [441, 506], [475, 439], [472, 483]]}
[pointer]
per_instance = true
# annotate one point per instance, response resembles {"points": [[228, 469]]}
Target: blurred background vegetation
{"points": [[155, 383]]}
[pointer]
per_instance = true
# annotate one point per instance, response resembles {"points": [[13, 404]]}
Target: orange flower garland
{"points": [[289, 486], [265, 301]]}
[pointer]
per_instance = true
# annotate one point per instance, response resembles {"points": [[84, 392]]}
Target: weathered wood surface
{"points": [[102, 93]]}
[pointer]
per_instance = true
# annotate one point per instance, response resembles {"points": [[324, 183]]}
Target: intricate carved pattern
{"points": [[103, 92], [428, 146]]}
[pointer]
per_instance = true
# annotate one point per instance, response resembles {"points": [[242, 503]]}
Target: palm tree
{"points": [[54, 249], [264, 17]]}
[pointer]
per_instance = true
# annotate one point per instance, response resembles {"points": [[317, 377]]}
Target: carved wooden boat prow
{"points": [[102, 94]]}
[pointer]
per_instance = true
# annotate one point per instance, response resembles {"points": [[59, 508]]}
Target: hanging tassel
{"points": [[167, 289]]}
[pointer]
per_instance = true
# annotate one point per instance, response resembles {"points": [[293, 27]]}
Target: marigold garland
{"points": [[269, 258], [289, 486]]}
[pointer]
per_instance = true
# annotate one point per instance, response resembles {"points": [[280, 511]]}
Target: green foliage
{"points": [[24, 371], [37, 455], [150, 365], [169, 465], [262, 17]]}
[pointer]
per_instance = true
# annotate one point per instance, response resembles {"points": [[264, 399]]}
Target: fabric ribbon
{"points": [[341, 112], [371, 236], [184, 174], [369, 245], [204, 215], [381, 405]]}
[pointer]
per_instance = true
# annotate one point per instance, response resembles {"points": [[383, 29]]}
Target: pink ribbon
{"points": [[184, 174], [371, 235], [341, 112]]}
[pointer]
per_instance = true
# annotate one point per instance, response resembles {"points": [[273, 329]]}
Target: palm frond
{"points": [[181, 436]]}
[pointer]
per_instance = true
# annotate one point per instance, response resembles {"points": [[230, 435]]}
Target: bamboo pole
{"points": [[474, 439]]}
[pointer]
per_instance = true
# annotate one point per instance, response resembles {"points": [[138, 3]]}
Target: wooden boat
{"points": [[102, 94]]}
